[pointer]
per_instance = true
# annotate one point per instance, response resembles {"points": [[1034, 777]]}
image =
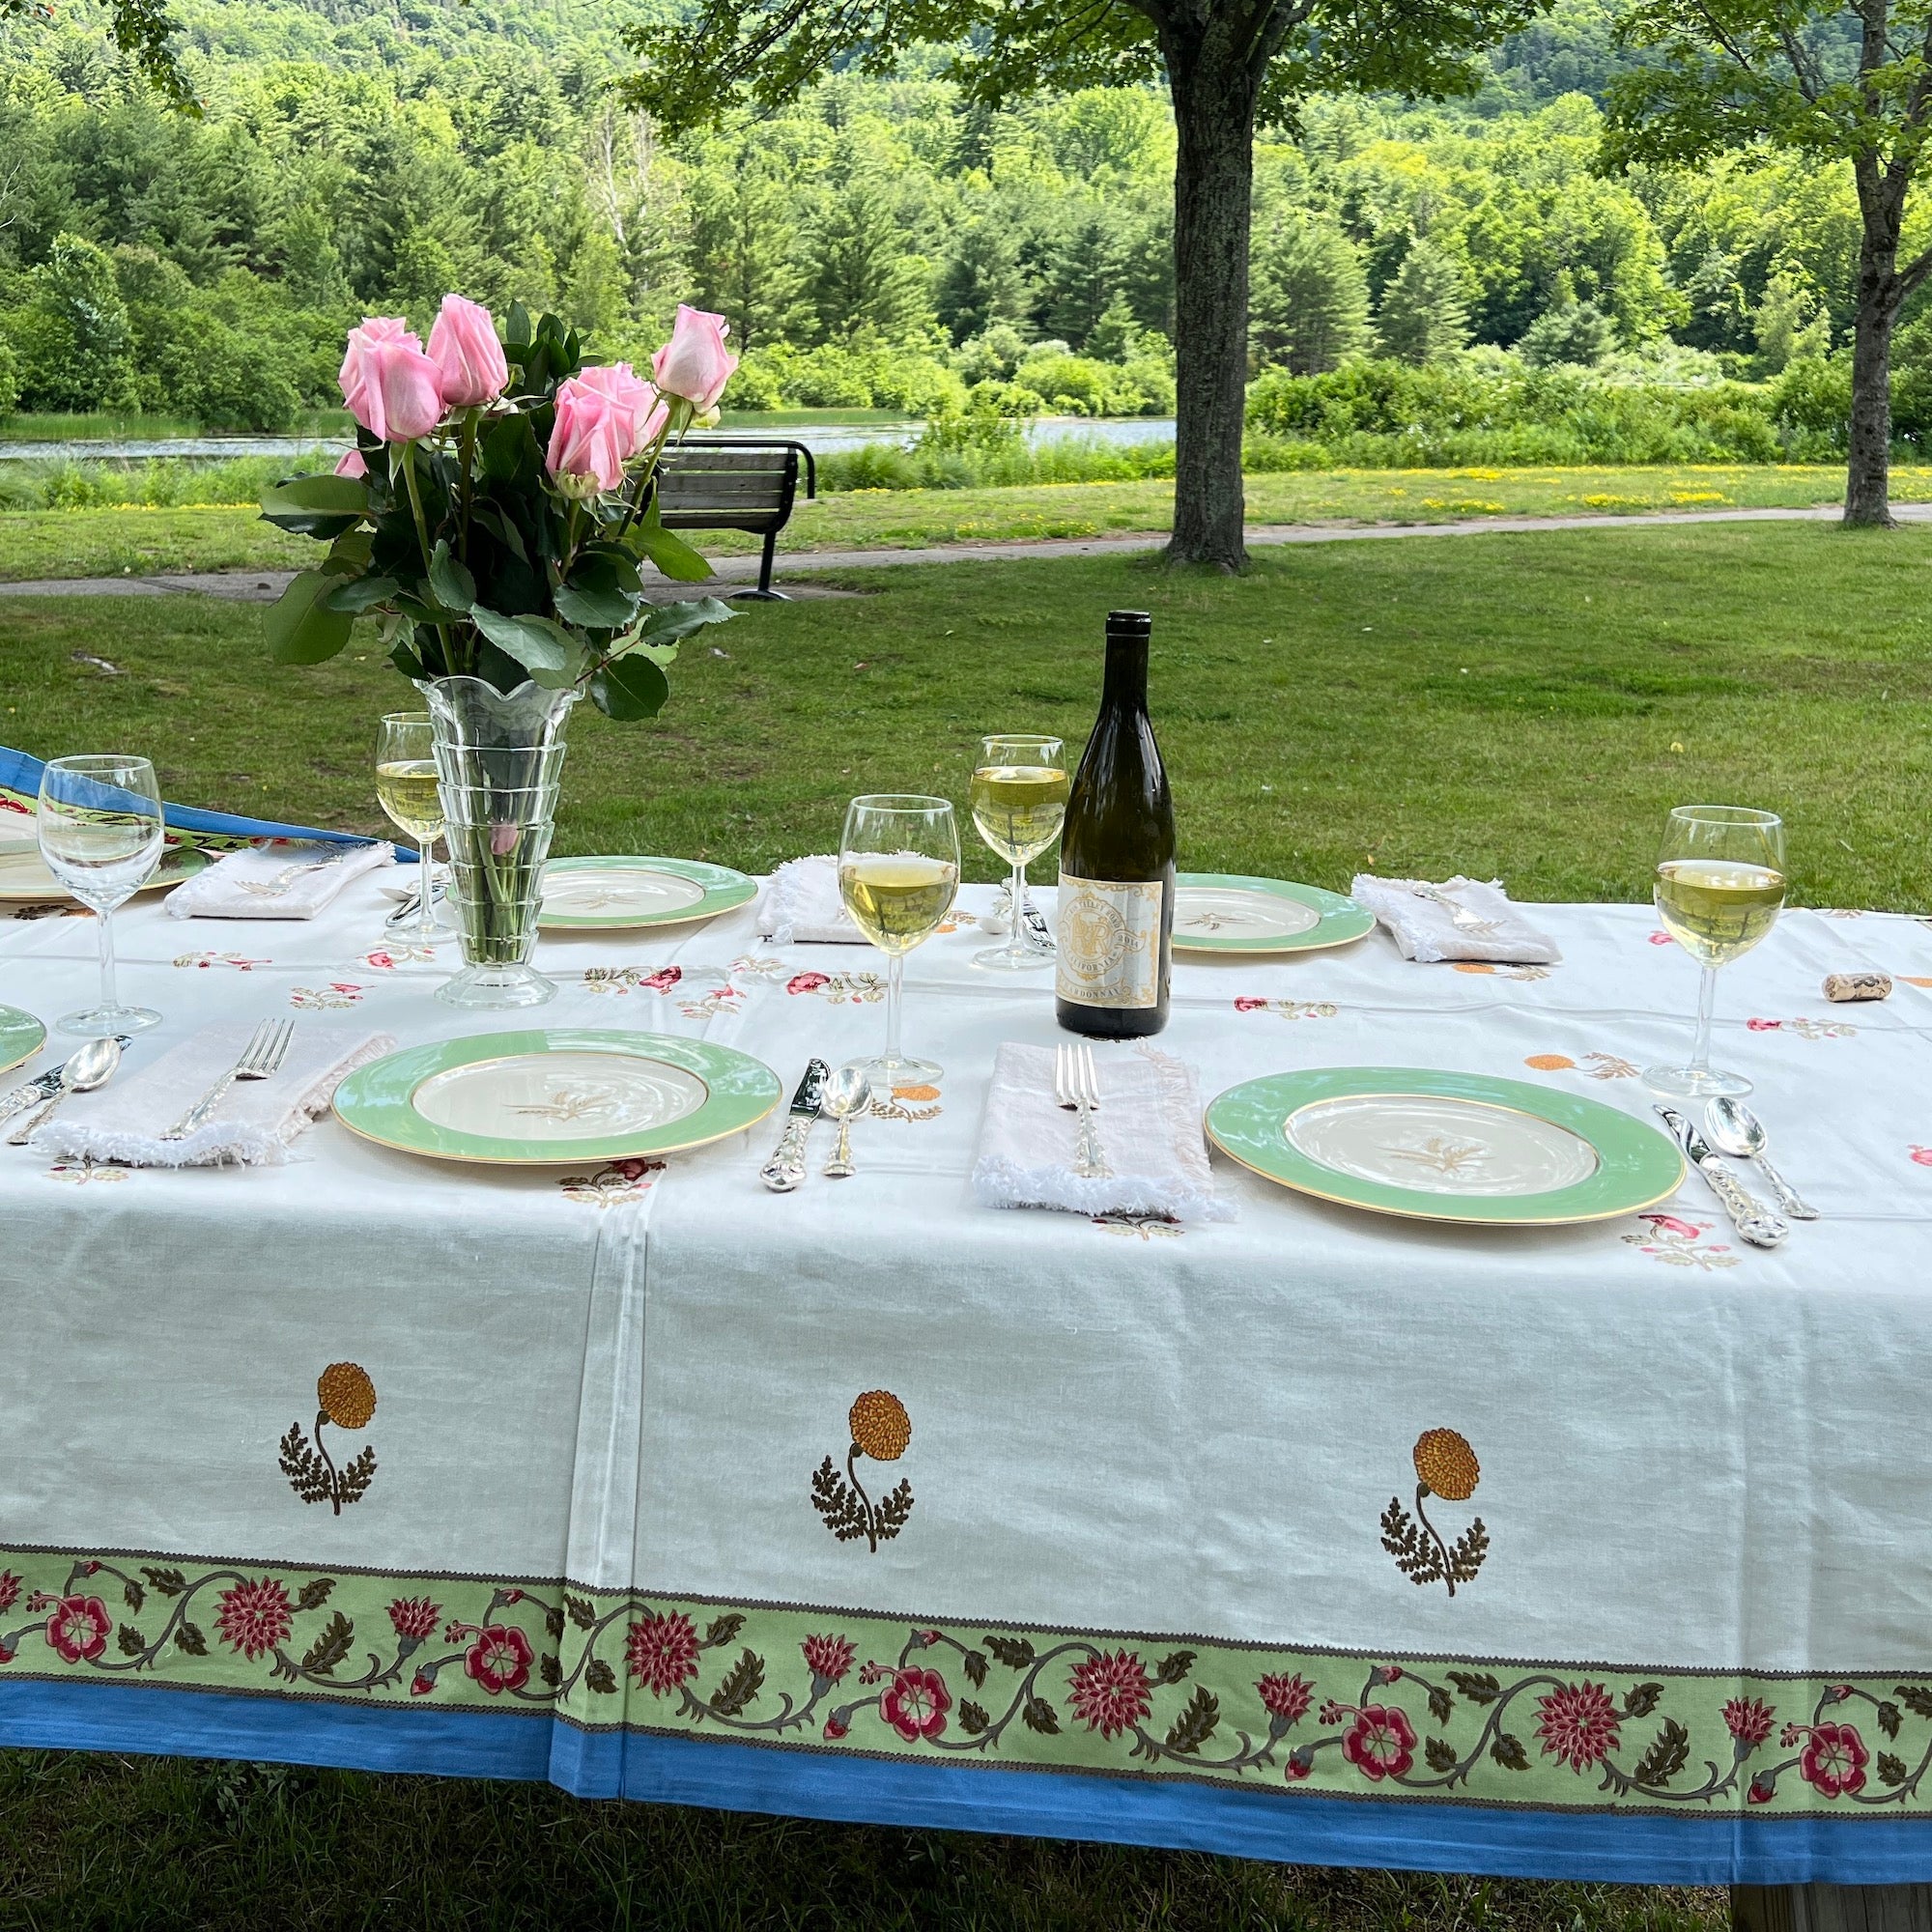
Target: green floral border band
{"points": [[1564, 1736]]}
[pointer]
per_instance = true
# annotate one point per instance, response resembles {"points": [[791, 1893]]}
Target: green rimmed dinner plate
{"points": [[24, 874], [605, 894], [557, 1095], [21, 1036], [1445, 1147], [1225, 912]]}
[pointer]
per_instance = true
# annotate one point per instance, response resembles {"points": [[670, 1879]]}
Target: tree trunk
{"points": [[1832, 1908], [1869, 456], [1214, 91]]}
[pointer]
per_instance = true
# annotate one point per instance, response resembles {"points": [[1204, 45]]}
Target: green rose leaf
{"points": [[535, 642], [630, 687], [510, 452], [454, 586], [670, 621], [316, 506], [355, 594], [595, 609], [673, 557], [301, 629]]}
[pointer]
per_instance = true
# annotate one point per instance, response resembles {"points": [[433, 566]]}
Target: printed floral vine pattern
{"points": [[52, 909], [1669, 1238], [1146, 1226], [1498, 1734], [881, 1429], [202, 961], [335, 997], [905, 1104], [1806, 1029], [1487, 970], [612, 1183], [345, 1396], [840, 989], [1288, 1010], [395, 956], [1445, 1466], [78, 1173], [1598, 1066]]}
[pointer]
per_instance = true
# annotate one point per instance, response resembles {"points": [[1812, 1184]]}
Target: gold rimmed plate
{"points": [[21, 1036], [1438, 1146], [24, 874], [558, 1095], [1230, 911]]}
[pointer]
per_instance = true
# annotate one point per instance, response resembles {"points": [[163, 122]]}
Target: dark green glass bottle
{"points": [[1115, 928]]}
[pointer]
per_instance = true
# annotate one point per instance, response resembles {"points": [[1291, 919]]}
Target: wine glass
{"points": [[1720, 884], [898, 869], [1018, 795], [406, 786], [100, 834]]}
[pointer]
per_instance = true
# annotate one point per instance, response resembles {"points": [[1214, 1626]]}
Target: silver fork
{"points": [[1076, 1087], [1460, 916], [264, 1055], [273, 888]]}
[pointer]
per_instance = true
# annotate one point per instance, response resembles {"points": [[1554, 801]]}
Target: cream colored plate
{"points": [[1437, 1145], [1229, 912], [617, 893], [24, 874], [537, 1097]]}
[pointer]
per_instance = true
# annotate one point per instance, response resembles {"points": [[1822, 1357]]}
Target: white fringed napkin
{"points": [[1148, 1122], [801, 904], [221, 891], [1425, 930], [255, 1122]]}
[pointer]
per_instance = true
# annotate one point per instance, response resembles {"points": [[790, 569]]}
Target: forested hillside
{"points": [[881, 245]]}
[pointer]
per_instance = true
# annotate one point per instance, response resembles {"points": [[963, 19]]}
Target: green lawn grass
{"points": [[1525, 705], [117, 542]]}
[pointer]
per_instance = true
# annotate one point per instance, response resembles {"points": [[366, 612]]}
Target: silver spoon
{"points": [[846, 1093], [1737, 1131], [90, 1067]]}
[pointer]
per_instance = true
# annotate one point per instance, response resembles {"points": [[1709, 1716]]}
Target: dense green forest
{"points": [[883, 245]]}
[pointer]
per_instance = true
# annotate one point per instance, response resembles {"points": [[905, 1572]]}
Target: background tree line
{"points": [[882, 243]]}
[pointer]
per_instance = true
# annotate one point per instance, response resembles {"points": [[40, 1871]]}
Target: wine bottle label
{"points": [[1108, 945]]}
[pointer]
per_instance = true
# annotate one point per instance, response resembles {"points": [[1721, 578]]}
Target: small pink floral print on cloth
{"points": [[1669, 1238]]}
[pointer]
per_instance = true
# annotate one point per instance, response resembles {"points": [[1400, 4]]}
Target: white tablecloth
{"points": [[1143, 1533]]}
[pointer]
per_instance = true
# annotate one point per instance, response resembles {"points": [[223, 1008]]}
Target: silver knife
{"points": [[1748, 1214], [785, 1169], [43, 1087]]}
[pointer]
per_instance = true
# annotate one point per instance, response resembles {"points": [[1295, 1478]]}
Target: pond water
{"points": [[821, 439]]}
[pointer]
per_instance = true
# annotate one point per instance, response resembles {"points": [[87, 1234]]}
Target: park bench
{"points": [[732, 483]]}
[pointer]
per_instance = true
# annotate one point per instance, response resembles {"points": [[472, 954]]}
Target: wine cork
{"points": [[1867, 984]]}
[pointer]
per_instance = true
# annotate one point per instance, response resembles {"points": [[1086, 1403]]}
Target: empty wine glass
{"points": [[407, 789], [101, 836], [898, 869], [1719, 884], [1018, 794]]}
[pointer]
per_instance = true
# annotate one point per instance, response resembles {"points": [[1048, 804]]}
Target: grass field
{"points": [[1526, 705], [116, 542]]}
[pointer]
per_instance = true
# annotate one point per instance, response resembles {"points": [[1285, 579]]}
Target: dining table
{"points": [[1312, 1534]]}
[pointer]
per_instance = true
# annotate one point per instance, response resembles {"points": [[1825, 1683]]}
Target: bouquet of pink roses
{"points": [[497, 508]]}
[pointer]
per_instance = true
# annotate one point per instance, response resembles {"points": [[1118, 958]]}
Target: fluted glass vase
{"points": [[498, 759]]}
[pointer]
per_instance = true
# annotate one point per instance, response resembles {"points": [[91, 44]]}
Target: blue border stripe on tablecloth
{"points": [[20, 773], [1686, 1848]]}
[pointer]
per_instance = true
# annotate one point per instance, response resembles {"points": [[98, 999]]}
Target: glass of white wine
{"points": [[100, 834], [406, 788], [898, 871], [1018, 795], [1719, 884]]}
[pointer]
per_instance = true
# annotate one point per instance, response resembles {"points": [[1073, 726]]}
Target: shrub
{"points": [[10, 380]]}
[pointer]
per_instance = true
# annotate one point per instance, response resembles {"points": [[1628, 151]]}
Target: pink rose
{"points": [[694, 362], [637, 404], [352, 464], [391, 387], [590, 442], [462, 345]]}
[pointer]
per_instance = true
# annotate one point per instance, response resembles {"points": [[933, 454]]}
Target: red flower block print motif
{"points": [[500, 1660], [662, 1651], [1111, 1692], [1834, 1760], [10, 1591], [254, 1617], [828, 1657], [663, 980], [1380, 1743], [1577, 1725], [915, 1704], [807, 982], [1286, 1699], [1748, 1720], [415, 1617], [78, 1629]]}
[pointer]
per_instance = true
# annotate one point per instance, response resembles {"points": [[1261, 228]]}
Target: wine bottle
{"points": [[1116, 925]]}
